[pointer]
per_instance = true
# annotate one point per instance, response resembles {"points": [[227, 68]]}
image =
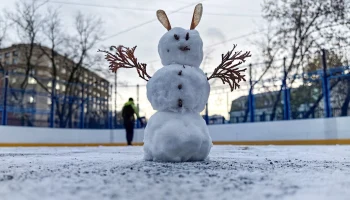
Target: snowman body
{"points": [[178, 91]]}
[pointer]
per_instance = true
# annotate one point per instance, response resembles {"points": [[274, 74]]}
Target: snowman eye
{"points": [[176, 37], [187, 36]]}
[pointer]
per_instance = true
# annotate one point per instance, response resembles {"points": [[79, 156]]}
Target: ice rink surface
{"points": [[232, 172]]}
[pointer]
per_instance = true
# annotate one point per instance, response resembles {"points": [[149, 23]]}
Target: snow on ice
{"points": [[232, 172]]}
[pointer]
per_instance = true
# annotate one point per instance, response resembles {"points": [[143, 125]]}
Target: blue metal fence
{"points": [[326, 79], [41, 108], [33, 105]]}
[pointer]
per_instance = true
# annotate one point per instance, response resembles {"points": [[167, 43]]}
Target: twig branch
{"points": [[124, 58], [227, 71]]}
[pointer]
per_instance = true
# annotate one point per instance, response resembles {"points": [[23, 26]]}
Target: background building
{"points": [[79, 97]]}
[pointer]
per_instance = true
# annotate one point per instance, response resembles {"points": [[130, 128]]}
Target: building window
{"points": [[0, 56], [15, 61], [242, 104], [18, 70], [7, 55], [63, 71], [7, 62], [31, 99], [41, 72], [15, 53], [31, 80]]}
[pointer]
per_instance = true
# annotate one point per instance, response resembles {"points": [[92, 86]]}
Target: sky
{"points": [[133, 22]]}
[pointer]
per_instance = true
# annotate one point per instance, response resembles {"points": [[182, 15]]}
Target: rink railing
{"points": [[297, 132], [33, 106]]}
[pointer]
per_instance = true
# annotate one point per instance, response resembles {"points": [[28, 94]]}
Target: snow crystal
{"points": [[171, 42], [176, 137], [174, 82]]}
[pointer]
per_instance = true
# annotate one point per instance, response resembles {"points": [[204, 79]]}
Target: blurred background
{"points": [[51, 74]]}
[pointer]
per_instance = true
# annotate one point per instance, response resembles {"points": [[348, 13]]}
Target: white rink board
{"points": [[311, 129]]}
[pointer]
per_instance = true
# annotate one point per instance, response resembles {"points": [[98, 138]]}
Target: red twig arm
{"points": [[228, 71], [124, 57]]}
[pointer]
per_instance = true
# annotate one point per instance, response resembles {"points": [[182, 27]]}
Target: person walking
{"points": [[128, 112]]}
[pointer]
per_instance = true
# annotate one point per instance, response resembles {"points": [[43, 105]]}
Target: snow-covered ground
{"points": [[233, 172]]}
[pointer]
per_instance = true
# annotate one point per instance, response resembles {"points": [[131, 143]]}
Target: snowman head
{"points": [[179, 45]]}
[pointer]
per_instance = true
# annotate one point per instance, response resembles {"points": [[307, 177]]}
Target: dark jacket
{"points": [[128, 112]]}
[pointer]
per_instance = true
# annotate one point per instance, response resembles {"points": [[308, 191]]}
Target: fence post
{"points": [[4, 110], [111, 108], [52, 106], [108, 97], [138, 125], [115, 100], [251, 96], [251, 105], [206, 109], [82, 107], [206, 114], [325, 86], [286, 95]]}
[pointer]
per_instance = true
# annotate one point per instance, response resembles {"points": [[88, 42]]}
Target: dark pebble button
{"points": [[179, 103]]}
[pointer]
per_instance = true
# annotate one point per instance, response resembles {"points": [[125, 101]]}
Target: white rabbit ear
{"points": [[163, 19], [197, 15]]}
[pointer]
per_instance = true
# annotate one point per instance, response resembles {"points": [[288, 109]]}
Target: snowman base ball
{"points": [[176, 137]]}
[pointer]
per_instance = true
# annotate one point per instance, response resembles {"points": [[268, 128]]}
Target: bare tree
{"points": [[27, 21], [3, 28], [267, 68], [77, 49], [70, 53], [310, 92], [302, 27]]}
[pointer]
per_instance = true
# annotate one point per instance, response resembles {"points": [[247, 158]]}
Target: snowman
{"points": [[179, 91]]}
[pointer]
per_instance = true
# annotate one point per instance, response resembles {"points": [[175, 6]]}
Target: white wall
{"points": [[310, 129]]}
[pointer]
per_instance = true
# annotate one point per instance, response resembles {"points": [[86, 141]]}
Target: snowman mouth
{"points": [[184, 48]]}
